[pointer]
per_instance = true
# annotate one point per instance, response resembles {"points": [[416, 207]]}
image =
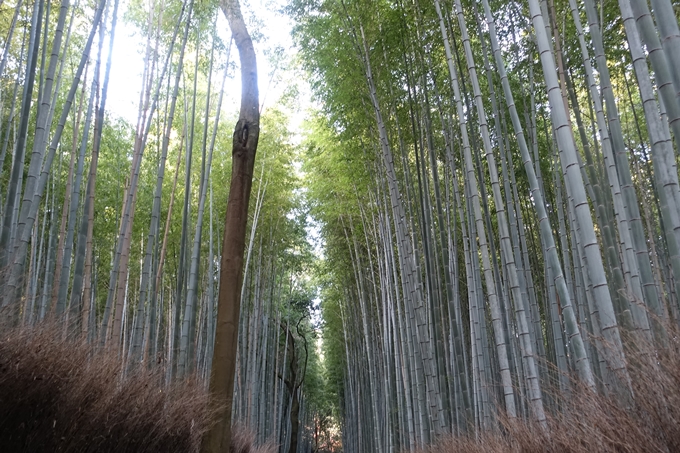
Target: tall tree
{"points": [[244, 147]]}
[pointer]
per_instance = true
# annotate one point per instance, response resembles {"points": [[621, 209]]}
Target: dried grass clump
{"points": [[63, 396], [586, 422], [243, 441]]}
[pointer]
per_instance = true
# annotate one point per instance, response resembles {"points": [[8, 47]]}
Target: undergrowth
{"points": [[588, 422], [59, 395]]}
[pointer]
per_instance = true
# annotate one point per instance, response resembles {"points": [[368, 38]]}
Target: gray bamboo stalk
{"points": [[73, 211], [147, 295], [423, 361], [614, 353], [622, 214], [31, 313], [155, 213], [521, 305], [403, 329], [186, 224], [50, 259], [186, 345], [135, 177], [620, 294], [667, 24], [553, 296], [458, 362], [20, 143], [415, 367], [359, 276], [210, 340], [76, 128], [40, 137], [156, 284], [632, 209], [24, 306], [43, 56], [68, 191], [83, 258], [34, 269], [504, 147], [17, 267], [506, 378], [663, 157], [185, 263], [660, 64], [11, 116], [120, 290], [10, 34]]}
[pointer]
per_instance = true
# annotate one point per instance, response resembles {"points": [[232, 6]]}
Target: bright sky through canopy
{"points": [[264, 17]]}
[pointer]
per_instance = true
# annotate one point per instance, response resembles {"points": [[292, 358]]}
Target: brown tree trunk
{"points": [[246, 134], [293, 386], [294, 422]]}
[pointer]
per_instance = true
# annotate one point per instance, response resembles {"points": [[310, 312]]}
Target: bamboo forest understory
{"points": [[463, 213]]}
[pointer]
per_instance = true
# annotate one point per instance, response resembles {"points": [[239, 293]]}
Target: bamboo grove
{"points": [[494, 183], [498, 193], [113, 230]]}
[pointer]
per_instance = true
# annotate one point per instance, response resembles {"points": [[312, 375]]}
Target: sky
{"points": [[262, 16]]}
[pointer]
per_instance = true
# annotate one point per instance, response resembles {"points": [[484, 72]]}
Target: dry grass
{"points": [[243, 440], [61, 396], [593, 423]]}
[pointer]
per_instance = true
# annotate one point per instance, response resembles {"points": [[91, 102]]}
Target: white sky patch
{"points": [[263, 18], [127, 65], [316, 320], [315, 238]]}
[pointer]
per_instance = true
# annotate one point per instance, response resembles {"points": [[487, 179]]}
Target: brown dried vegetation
{"points": [[63, 396], [243, 441], [587, 422]]}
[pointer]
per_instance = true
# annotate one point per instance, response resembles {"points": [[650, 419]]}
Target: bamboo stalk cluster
{"points": [[100, 236], [512, 219]]}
